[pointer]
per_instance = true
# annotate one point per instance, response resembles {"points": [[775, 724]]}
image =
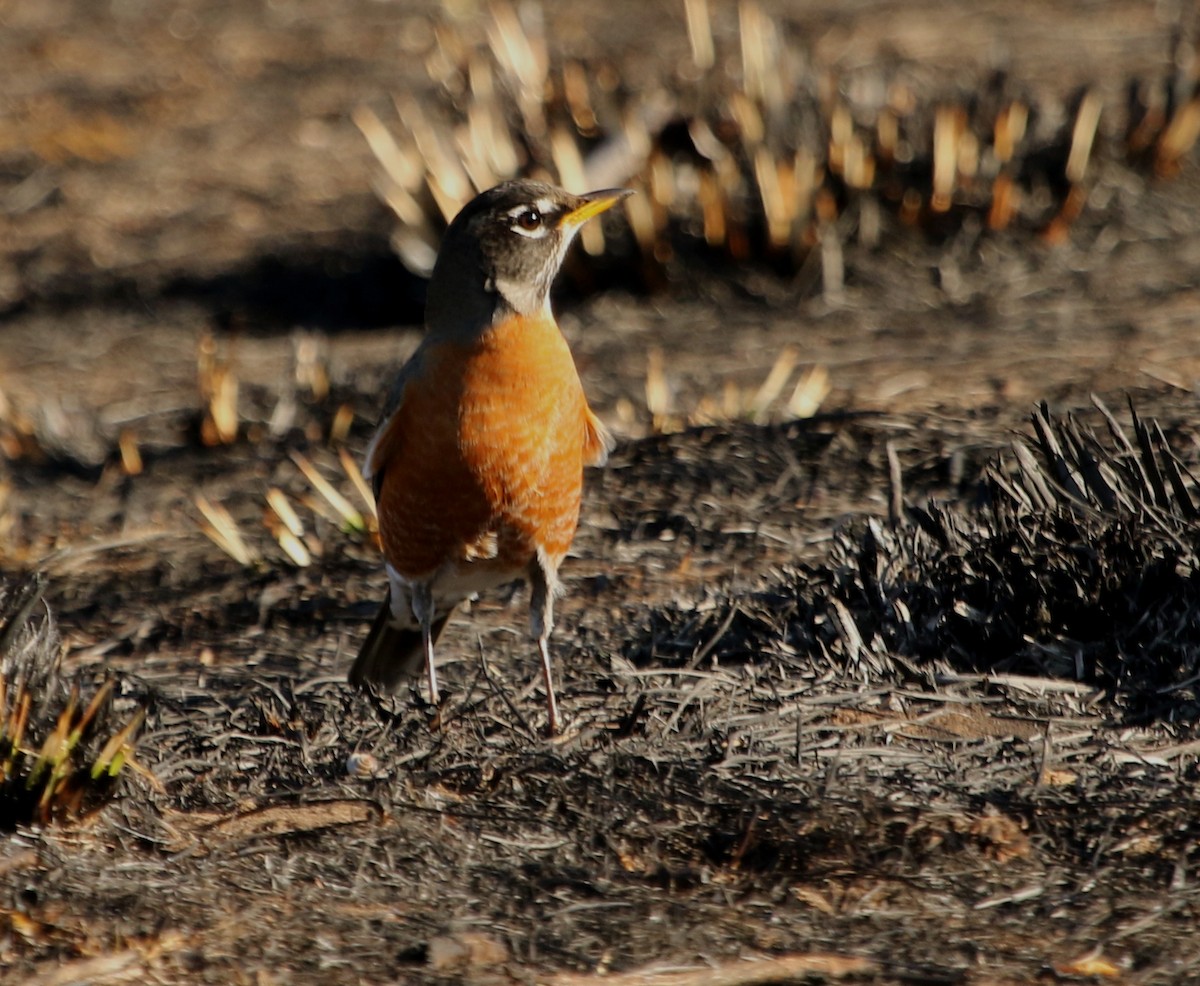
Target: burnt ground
{"points": [[956, 745]]}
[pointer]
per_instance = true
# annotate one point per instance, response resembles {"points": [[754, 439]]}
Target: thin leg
{"points": [[547, 675], [541, 617], [422, 604]]}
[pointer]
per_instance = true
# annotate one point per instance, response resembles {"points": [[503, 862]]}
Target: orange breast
{"points": [[489, 461]]}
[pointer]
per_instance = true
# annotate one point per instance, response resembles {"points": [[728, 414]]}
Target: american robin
{"points": [[477, 463]]}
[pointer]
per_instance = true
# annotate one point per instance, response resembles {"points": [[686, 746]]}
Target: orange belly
{"points": [[488, 463]]}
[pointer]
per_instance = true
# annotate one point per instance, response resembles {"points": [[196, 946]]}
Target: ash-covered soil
{"points": [[894, 693]]}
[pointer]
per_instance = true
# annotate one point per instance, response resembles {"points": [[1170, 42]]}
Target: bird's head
{"points": [[503, 250]]}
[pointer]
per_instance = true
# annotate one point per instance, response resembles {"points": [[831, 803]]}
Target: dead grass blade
{"points": [[810, 392], [351, 518], [277, 820], [350, 467], [400, 165], [285, 526], [700, 36], [1083, 136], [218, 385], [740, 972], [772, 386], [118, 750], [222, 530], [131, 457]]}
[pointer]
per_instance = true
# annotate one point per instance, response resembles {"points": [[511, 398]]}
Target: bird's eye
{"points": [[529, 220]]}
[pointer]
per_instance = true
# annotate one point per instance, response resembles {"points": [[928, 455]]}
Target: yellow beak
{"points": [[594, 203]]}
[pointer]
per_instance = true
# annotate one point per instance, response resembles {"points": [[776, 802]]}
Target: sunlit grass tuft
{"points": [[60, 756]]}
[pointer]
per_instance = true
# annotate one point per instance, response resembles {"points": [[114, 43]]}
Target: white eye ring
{"points": [[531, 218], [528, 220]]}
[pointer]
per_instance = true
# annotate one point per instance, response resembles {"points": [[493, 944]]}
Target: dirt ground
{"points": [[785, 757]]}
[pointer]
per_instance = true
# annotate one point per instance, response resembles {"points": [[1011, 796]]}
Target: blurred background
{"points": [[218, 217], [168, 170]]}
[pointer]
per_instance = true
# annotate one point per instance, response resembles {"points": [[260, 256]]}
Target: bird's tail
{"points": [[391, 653]]}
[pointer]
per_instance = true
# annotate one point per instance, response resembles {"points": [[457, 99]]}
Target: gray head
{"points": [[502, 251]]}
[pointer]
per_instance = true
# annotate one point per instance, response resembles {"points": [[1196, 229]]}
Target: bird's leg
{"points": [[542, 581], [422, 604]]}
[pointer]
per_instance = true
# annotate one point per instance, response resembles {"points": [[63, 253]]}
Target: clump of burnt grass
{"points": [[751, 151], [61, 754], [1080, 562]]}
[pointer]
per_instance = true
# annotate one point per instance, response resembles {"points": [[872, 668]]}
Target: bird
{"points": [[477, 461]]}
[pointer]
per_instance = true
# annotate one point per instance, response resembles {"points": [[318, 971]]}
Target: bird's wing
{"points": [[389, 434], [597, 440]]}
